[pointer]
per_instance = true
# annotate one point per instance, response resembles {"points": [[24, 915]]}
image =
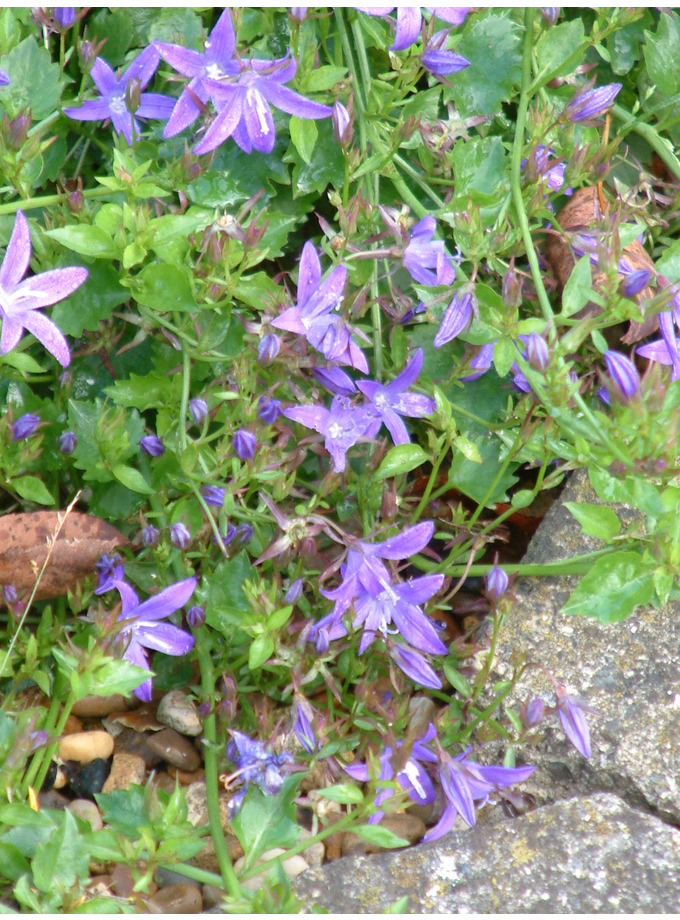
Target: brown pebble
{"points": [[123, 883], [161, 780], [408, 826], [126, 770], [73, 725], [52, 799], [140, 720], [186, 779], [86, 746], [88, 811], [132, 742], [98, 705], [212, 896], [175, 749], [177, 899]]}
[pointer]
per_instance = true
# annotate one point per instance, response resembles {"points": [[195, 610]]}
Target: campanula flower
{"points": [[411, 776], [425, 258], [244, 444], [409, 20], [151, 444], [392, 400], [213, 495], [268, 410], [438, 60], [21, 300], [456, 319], [25, 426], [117, 95], [179, 535], [111, 573], [198, 409], [315, 315], [342, 426], [268, 348], [540, 167], [67, 442], [591, 103], [572, 713], [254, 764], [623, 374], [141, 629]]}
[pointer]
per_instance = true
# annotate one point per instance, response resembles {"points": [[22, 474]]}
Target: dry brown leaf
{"points": [[24, 546], [583, 212]]}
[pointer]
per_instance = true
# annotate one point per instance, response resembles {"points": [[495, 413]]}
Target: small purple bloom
{"points": [[268, 410], [315, 316], [438, 60], [150, 535], [195, 616], [392, 401], [65, 16], [458, 315], [534, 712], [25, 426], [342, 426], [198, 409], [21, 300], [213, 495], [294, 591], [481, 362], [141, 629], [496, 582], [111, 573], [634, 281], [152, 445], [179, 535], [303, 727], [9, 594], [572, 716], [623, 374], [67, 442], [591, 103], [254, 764], [116, 94], [423, 254], [540, 167], [409, 20], [335, 380], [244, 444], [268, 348]]}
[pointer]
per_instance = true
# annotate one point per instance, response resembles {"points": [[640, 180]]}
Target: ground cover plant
{"points": [[300, 307]]}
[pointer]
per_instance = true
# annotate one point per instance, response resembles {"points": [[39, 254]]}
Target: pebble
{"points": [[174, 749], [142, 719], [186, 779], [52, 799], [212, 896], [421, 711], [293, 866], [164, 781], [177, 711], [131, 742], [177, 899], [85, 781], [410, 827], [86, 746], [126, 769], [91, 706], [88, 811], [73, 725], [166, 877], [316, 852]]}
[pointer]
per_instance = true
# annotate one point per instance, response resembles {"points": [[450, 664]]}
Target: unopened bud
{"points": [[18, 131], [268, 348], [538, 355], [67, 442], [343, 124], [512, 288], [195, 616], [133, 95], [198, 409]]}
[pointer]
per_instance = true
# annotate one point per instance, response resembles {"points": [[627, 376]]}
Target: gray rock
{"points": [[584, 855], [178, 712]]}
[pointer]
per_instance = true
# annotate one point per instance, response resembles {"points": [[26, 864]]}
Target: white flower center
{"points": [[380, 401], [411, 770], [117, 105], [214, 71], [335, 430]]}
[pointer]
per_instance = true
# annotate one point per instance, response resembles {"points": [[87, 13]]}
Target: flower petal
{"points": [[18, 254], [223, 126], [166, 601], [49, 335], [293, 103], [164, 637], [47, 288]]}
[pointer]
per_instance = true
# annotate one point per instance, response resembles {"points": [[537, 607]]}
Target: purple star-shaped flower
{"points": [[242, 104], [315, 316], [254, 765], [117, 96], [215, 62], [20, 300], [412, 776], [392, 400], [141, 629], [342, 426], [423, 254]]}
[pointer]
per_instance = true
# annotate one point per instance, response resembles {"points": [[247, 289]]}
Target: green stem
{"points": [[43, 764], [406, 167], [46, 201], [658, 144], [576, 565]]}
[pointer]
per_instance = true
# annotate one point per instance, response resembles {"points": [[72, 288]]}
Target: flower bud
{"points": [[244, 533], [268, 348], [343, 124], [150, 535], [179, 535], [635, 281], [623, 374], [65, 16], [75, 201], [18, 131], [538, 355], [293, 592], [67, 442], [244, 444], [533, 713], [496, 583], [152, 445], [591, 103], [9, 594], [198, 409], [550, 14], [512, 288], [268, 410], [213, 496], [195, 616], [25, 426], [458, 315]]}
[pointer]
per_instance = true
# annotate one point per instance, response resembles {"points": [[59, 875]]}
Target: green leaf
{"points": [[479, 165], [522, 499], [504, 355], [662, 53], [556, 46], [319, 79], [266, 821], [303, 134], [14, 864], [400, 906], [22, 362], [33, 490], [63, 859], [86, 240], [380, 836], [578, 289], [345, 793], [92, 302], [457, 681], [260, 650], [164, 288], [111, 676], [401, 459], [613, 588], [492, 45], [124, 809], [149, 392], [326, 166], [221, 593], [235, 176], [36, 82], [131, 478], [595, 520], [467, 448]]}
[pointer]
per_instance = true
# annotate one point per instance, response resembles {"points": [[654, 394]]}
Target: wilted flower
{"points": [[198, 409], [572, 712], [458, 315], [623, 374], [254, 765], [67, 442], [150, 535], [25, 426], [244, 444], [117, 96], [438, 60], [423, 254], [179, 535], [20, 300], [152, 445], [213, 495], [591, 103]]}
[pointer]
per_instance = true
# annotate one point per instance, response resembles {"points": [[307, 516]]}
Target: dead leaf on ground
{"points": [[581, 213], [24, 546]]}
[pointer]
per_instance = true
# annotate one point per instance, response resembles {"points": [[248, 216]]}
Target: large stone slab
{"points": [[591, 854], [629, 671]]}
